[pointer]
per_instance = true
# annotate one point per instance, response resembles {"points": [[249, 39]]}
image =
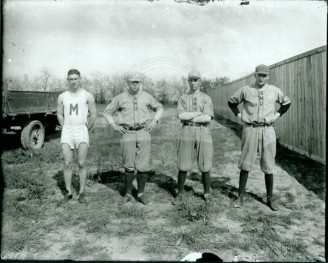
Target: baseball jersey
{"points": [[75, 107], [132, 110], [196, 102], [259, 104]]}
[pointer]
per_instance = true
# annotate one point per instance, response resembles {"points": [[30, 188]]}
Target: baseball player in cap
{"points": [[195, 111], [135, 123], [258, 114]]}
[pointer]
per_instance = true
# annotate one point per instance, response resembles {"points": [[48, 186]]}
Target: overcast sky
{"points": [[161, 38]]}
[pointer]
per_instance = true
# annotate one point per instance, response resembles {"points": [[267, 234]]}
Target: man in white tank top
{"points": [[72, 113]]}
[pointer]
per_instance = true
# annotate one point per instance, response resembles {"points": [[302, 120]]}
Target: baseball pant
{"points": [[258, 140], [74, 135], [135, 147], [191, 138]]}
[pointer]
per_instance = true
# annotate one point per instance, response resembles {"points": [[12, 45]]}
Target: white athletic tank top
{"points": [[75, 108]]}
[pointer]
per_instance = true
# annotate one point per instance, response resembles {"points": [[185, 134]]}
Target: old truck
{"points": [[31, 114]]}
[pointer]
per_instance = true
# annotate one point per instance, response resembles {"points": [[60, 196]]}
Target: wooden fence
{"points": [[303, 79]]}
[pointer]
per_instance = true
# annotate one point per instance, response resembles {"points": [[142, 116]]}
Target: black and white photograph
{"points": [[164, 130]]}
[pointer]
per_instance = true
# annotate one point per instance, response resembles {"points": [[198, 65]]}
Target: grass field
{"points": [[35, 227]]}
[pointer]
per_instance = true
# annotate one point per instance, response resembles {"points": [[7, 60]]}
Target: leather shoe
{"points": [[127, 198], [142, 199], [271, 205], [239, 202]]}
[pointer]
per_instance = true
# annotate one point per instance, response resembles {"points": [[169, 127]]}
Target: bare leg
{"points": [[82, 156], [68, 160]]}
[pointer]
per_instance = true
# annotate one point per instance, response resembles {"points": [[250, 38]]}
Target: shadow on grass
{"points": [[311, 174], [308, 172], [115, 180], [112, 179], [165, 182], [221, 185], [59, 177]]}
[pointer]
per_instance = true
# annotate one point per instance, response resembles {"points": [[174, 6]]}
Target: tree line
{"points": [[104, 87]]}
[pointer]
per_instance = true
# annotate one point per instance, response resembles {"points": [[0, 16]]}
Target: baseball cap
{"points": [[134, 76], [262, 69], [194, 74]]}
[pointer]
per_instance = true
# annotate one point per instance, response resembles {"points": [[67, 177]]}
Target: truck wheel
{"points": [[32, 136]]}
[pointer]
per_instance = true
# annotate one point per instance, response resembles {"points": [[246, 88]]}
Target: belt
{"points": [[259, 124], [138, 128], [195, 124]]}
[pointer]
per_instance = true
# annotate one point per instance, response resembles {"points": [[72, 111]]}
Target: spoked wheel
{"points": [[32, 136]]}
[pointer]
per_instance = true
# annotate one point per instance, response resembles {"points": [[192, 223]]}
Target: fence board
{"points": [[303, 79]]}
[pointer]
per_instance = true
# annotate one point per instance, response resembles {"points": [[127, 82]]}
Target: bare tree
{"points": [[12, 83], [219, 82], [45, 77], [99, 86], [55, 84]]}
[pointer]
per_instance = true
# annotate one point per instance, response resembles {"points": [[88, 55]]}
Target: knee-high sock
{"points": [[242, 182], [182, 176], [129, 177], [141, 180], [206, 182], [269, 185]]}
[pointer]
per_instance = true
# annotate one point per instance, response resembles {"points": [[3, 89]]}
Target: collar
{"points": [[258, 88], [195, 93], [137, 95], [77, 92]]}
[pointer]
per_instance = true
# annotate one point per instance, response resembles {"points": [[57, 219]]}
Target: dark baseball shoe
{"points": [[127, 198], [66, 198], [239, 202], [208, 199], [81, 198], [144, 200], [272, 205], [178, 200]]}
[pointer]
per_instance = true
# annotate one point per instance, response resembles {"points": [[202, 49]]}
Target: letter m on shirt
{"points": [[74, 108]]}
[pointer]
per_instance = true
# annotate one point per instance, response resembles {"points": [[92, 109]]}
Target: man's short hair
{"points": [[73, 71]]}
